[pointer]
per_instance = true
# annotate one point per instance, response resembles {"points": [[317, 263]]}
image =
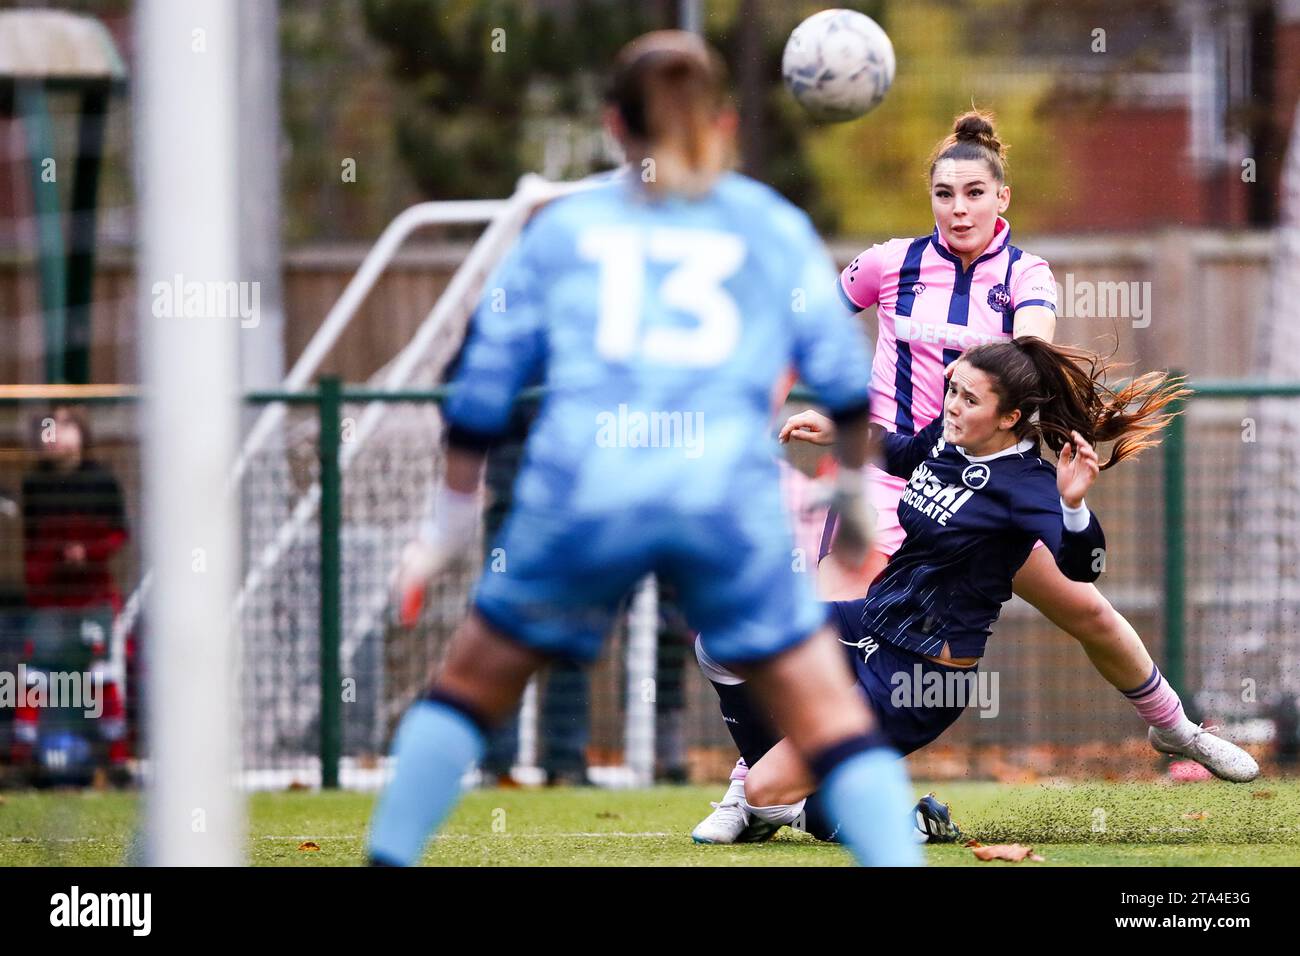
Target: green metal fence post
{"points": [[331, 503], [1175, 585], [81, 234], [51, 257]]}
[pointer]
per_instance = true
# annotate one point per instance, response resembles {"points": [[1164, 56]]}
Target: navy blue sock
{"points": [[751, 727], [818, 820]]}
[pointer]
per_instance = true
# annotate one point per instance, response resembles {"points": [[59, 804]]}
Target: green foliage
{"points": [[471, 120], [416, 92], [471, 74], [336, 104]]}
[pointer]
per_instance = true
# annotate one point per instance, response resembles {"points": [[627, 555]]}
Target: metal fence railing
{"points": [[1202, 558]]}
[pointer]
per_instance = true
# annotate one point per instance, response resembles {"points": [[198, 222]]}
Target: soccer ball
{"points": [[838, 64]]}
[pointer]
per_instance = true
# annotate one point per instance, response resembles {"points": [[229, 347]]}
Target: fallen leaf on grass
{"points": [[1011, 852], [1254, 795], [297, 785], [309, 847], [607, 815], [1198, 815]]}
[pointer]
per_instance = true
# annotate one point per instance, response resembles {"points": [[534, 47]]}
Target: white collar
{"points": [[1019, 448]]}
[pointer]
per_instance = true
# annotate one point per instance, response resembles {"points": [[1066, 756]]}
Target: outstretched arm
{"points": [[1082, 548], [503, 351], [857, 524], [1059, 517], [454, 521], [902, 453]]}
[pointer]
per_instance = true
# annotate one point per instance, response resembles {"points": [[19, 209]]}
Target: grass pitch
{"points": [[1077, 824]]}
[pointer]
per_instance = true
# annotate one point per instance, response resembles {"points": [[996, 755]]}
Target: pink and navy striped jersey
{"points": [[930, 310]]}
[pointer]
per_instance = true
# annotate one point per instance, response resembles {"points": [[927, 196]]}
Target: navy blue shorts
{"points": [[912, 706]]}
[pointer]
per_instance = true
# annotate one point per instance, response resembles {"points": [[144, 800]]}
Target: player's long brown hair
{"points": [[974, 136], [1067, 388], [669, 87]]}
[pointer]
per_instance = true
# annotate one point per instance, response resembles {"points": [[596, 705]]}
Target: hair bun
{"points": [[973, 138], [977, 127]]}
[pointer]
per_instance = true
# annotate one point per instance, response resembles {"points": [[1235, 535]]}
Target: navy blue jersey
{"points": [[971, 523]]}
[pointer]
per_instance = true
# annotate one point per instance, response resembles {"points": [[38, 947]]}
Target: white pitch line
{"points": [[357, 836], [494, 836]]}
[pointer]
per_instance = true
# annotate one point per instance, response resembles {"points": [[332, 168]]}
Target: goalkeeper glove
{"points": [[444, 535], [857, 518]]}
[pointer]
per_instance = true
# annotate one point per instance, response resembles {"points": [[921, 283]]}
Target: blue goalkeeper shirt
{"points": [[971, 523], [659, 327]]}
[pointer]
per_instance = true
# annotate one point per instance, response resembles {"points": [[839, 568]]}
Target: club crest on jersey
{"points": [[999, 298], [975, 476], [918, 288]]}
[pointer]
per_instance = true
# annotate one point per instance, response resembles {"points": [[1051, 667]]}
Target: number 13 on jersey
{"points": [[700, 259]]}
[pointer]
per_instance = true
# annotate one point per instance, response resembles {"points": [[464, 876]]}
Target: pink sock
{"points": [[740, 770], [1156, 702]]}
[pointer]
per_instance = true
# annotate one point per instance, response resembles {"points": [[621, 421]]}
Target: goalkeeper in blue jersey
{"points": [[659, 309]]}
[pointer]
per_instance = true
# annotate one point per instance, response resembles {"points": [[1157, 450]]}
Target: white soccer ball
{"points": [[839, 64]]}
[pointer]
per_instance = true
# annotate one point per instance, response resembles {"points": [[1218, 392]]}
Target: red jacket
{"points": [[82, 506]]}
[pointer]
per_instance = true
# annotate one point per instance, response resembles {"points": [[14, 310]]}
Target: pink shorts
{"points": [[884, 492]]}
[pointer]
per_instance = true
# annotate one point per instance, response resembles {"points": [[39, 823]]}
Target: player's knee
{"points": [[766, 790], [1094, 620], [486, 670]]}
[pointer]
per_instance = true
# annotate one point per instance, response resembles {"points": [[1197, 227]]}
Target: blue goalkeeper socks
{"points": [[434, 747], [866, 788]]}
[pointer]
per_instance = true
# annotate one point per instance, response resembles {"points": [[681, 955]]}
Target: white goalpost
{"points": [[186, 161]]}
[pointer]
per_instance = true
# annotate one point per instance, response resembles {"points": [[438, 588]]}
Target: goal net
{"points": [[390, 458], [1248, 614]]}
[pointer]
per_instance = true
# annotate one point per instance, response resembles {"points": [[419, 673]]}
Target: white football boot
{"points": [[727, 821], [730, 822], [1222, 758]]}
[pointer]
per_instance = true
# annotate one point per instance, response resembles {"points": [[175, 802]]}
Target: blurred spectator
{"points": [[73, 518], [74, 522]]}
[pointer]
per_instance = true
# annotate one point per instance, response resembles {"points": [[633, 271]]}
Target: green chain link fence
{"points": [[1203, 536]]}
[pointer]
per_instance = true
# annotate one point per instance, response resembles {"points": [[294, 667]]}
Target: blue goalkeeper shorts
{"points": [[556, 582]]}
